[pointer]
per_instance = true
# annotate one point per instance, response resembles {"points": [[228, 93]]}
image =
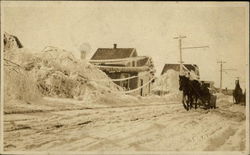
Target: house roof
{"points": [[177, 67], [123, 69], [114, 53]]}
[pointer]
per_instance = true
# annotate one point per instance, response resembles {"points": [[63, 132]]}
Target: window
{"points": [[133, 63]]}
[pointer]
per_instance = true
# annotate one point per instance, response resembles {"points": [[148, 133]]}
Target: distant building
{"points": [[83, 54], [119, 63], [225, 91]]}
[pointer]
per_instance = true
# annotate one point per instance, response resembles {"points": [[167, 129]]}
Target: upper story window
{"points": [[133, 63]]}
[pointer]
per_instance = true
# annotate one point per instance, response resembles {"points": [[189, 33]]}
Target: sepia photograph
{"points": [[124, 77]]}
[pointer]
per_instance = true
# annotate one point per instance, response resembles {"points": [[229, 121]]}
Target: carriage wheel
{"points": [[204, 103]]}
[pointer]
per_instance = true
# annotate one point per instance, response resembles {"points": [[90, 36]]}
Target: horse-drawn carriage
{"points": [[238, 95], [196, 93]]}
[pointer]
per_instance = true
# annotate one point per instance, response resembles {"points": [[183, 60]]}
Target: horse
{"points": [[184, 87], [237, 93], [192, 91]]}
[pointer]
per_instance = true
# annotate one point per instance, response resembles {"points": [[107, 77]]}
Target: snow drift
{"points": [[53, 72], [57, 73], [11, 42], [167, 83]]}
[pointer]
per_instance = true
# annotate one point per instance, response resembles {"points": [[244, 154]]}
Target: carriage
{"points": [[209, 104], [238, 95], [196, 93]]}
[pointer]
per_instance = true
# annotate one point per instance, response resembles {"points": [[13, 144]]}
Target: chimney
{"points": [[115, 45], [83, 55]]}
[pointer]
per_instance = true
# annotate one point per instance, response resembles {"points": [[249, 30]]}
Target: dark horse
{"points": [[237, 93], [192, 91]]}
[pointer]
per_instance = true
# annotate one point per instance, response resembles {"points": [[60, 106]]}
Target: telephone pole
{"points": [[221, 63], [221, 70], [180, 37], [180, 49]]}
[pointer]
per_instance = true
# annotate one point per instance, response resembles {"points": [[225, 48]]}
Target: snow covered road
{"points": [[157, 127]]}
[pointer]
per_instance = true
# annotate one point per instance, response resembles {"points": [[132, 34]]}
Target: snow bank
{"points": [[58, 73], [31, 75], [168, 82], [19, 84], [177, 97], [11, 42]]}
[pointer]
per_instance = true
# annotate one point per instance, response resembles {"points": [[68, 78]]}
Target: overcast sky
{"points": [[147, 26]]}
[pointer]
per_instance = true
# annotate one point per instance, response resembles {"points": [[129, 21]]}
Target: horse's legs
{"points": [[184, 101], [209, 103], [238, 99], [196, 99], [191, 101], [187, 102]]}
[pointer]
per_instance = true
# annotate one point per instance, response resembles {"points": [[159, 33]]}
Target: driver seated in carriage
{"points": [[204, 88]]}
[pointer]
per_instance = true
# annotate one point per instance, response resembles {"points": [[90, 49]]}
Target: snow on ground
{"points": [[160, 124], [54, 102], [57, 72], [30, 76]]}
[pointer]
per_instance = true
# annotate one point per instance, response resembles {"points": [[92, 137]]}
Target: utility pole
{"points": [[183, 48], [221, 63], [180, 49], [221, 70]]}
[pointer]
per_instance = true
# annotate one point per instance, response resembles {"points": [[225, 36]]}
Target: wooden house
{"points": [[124, 63]]}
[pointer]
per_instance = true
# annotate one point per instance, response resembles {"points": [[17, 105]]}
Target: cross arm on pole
{"points": [[181, 61], [180, 37], [195, 47], [230, 69], [221, 61]]}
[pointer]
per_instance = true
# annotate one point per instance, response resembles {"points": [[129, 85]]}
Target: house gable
{"points": [[176, 67]]}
